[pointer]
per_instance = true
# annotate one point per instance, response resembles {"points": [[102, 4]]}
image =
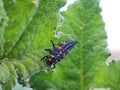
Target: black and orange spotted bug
{"points": [[58, 52]]}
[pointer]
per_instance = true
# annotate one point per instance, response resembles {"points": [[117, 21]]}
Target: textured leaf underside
{"points": [[22, 39]]}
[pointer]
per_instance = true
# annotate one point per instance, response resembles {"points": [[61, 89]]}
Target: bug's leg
{"points": [[48, 50], [52, 43], [43, 58], [53, 66]]}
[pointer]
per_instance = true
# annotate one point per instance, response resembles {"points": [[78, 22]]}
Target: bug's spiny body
{"points": [[59, 52]]}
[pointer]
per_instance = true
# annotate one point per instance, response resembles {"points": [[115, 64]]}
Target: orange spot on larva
{"points": [[64, 55], [49, 59], [63, 43], [58, 47], [52, 56]]}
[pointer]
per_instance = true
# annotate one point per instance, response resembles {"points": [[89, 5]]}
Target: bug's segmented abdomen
{"points": [[68, 46], [57, 54], [60, 51]]}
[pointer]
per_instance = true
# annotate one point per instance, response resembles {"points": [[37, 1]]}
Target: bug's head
{"points": [[52, 66], [49, 63]]}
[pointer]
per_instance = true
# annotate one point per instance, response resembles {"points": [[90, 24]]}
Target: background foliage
{"points": [[26, 28]]}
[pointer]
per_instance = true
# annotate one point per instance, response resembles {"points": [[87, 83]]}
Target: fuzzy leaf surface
{"points": [[79, 69], [26, 28]]}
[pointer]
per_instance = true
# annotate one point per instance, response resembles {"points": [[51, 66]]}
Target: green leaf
{"points": [[79, 69], [20, 14], [3, 24], [108, 76], [22, 39], [31, 26]]}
